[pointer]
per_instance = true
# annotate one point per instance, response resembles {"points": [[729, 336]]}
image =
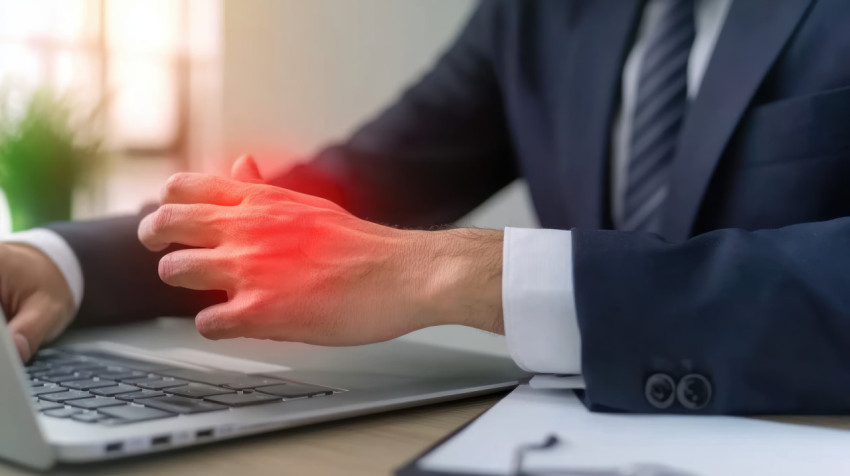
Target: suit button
{"points": [[694, 391], [660, 390]]}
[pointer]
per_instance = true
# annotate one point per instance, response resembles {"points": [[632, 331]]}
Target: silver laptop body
{"points": [[351, 381]]}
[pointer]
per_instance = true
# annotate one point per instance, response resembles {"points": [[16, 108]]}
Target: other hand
{"points": [[300, 268], [35, 297]]}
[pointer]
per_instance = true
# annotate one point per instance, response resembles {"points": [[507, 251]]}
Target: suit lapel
{"points": [[591, 62], [752, 38]]}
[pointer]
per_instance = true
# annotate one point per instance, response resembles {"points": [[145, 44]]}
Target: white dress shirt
{"points": [[541, 321]]}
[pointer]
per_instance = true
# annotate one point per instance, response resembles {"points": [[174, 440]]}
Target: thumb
{"points": [[246, 170], [30, 327]]}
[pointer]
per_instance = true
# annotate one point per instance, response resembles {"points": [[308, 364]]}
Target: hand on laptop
{"points": [[300, 268], [35, 297]]}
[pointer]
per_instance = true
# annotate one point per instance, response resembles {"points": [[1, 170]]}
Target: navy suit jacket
{"points": [[748, 283]]}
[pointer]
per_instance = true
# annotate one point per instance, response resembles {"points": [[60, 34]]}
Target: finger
{"points": [[203, 188], [35, 323], [245, 170], [23, 347], [221, 321], [190, 225], [198, 269], [188, 188]]}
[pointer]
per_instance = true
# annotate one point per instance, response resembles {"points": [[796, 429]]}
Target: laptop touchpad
{"points": [[222, 362]]}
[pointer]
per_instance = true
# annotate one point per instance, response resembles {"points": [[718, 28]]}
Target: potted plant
{"points": [[46, 152]]}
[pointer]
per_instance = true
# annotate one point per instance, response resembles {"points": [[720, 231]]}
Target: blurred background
{"points": [[151, 87]]}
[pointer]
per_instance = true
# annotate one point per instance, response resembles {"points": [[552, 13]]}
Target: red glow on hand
{"points": [[294, 266]]}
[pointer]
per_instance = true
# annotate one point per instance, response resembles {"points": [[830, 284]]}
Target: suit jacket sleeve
{"points": [[438, 152], [763, 315]]}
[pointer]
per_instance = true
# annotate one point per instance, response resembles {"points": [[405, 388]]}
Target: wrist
{"points": [[42, 245], [461, 278], [51, 277]]}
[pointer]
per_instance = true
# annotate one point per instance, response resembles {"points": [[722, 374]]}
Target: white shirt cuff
{"points": [[57, 249], [538, 300]]}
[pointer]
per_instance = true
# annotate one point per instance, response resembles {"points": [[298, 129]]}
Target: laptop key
{"points": [[133, 413], [65, 396], [48, 354], [62, 412], [88, 384], [114, 390], [35, 363], [243, 399], [60, 378], [88, 417], [82, 374], [37, 368], [121, 374], [211, 378], [41, 405], [42, 373], [156, 383], [249, 381], [48, 388], [95, 403], [65, 362], [183, 405], [295, 390], [53, 371], [90, 365], [141, 394], [198, 390]]}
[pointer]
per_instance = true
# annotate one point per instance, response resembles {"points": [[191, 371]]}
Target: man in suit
{"points": [[687, 158]]}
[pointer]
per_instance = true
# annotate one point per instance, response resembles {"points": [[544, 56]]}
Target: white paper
{"points": [[684, 445]]}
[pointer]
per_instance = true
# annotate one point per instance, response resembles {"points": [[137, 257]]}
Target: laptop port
{"points": [[208, 433], [114, 447], [161, 440]]}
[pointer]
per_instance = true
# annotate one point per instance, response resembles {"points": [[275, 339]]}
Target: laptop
{"points": [[105, 393]]}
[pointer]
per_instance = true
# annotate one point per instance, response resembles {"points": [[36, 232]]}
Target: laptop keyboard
{"points": [[108, 389]]}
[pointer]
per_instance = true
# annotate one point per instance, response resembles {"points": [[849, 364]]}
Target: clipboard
{"points": [[412, 468], [496, 442], [566, 382]]}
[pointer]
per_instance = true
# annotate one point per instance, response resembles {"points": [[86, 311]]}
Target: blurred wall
{"points": [[298, 74]]}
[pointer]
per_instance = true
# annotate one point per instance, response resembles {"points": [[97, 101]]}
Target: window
{"points": [[153, 64]]}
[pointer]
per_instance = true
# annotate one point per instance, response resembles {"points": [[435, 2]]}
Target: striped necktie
{"points": [[661, 101]]}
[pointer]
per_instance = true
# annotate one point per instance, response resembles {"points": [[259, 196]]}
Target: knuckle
{"points": [[203, 323], [169, 268], [254, 197], [174, 184], [162, 218], [305, 222], [214, 324]]}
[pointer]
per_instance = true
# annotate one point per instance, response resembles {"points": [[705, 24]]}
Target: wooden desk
{"points": [[370, 445]]}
